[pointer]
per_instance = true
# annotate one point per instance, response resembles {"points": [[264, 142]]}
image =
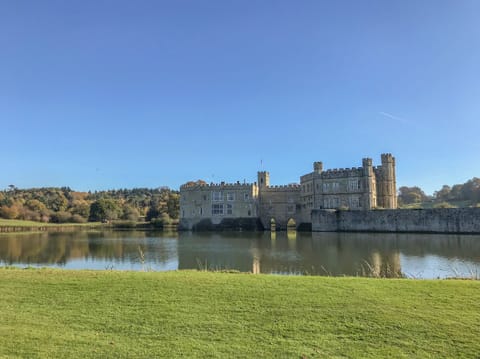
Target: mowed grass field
{"points": [[50, 313]]}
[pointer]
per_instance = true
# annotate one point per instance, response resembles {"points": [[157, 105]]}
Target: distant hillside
{"points": [[63, 205], [457, 196]]}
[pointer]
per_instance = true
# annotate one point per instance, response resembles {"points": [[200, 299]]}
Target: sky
{"points": [[99, 94]]}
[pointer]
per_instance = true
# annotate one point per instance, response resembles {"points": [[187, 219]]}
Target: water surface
{"points": [[335, 254]]}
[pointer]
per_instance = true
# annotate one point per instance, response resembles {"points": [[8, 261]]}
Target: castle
{"points": [[259, 205]]}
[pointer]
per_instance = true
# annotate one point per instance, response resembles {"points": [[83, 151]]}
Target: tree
{"points": [[80, 208], [130, 213], [471, 190], [409, 195], [103, 210], [443, 194], [9, 212], [173, 205]]}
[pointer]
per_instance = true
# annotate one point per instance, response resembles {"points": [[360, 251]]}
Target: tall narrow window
{"points": [[229, 209]]}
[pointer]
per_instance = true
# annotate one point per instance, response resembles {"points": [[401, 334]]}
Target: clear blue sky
{"points": [[120, 94]]}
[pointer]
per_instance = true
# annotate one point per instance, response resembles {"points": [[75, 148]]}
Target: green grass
{"points": [[108, 314], [431, 204], [21, 223]]}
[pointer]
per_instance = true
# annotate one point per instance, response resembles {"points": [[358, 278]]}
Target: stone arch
{"points": [[291, 224], [273, 224]]}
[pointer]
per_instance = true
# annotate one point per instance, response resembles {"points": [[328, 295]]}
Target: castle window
{"points": [[201, 211], [249, 212], [246, 196], [204, 197], [217, 196], [229, 209], [353, 185], [230, 196], [290, 209], [217, 209]]}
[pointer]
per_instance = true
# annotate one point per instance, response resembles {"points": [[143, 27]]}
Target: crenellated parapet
{"points": [[288, 187], [342, 172], [195, 186]]}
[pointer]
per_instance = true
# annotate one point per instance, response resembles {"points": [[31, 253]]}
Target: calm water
{"points": [[413, 255]]}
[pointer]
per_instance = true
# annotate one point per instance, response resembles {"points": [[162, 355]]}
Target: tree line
{"points": [[466, 194], [63, 205]]}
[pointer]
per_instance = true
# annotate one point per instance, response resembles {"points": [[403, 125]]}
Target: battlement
{"points": [[191, 186], [387, 157], [284, 187], [367, 162], [343, 172]]}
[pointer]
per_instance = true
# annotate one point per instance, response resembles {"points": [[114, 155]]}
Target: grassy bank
{"points": [[20, 223], [54, 313], [14, 225]]}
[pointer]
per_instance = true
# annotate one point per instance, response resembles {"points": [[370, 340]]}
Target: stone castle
{"points": [[260, 205]]}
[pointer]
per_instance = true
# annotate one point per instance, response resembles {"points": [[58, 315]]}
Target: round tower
{"points": [[388, 195]]}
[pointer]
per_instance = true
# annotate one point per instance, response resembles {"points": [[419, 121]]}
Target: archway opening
{"points": [[273, 226], [291, 224]]}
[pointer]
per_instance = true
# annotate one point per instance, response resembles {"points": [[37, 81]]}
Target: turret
{"points": [[369, 197], [263, 179], [367, 166], [318, 167], [387, 190]]}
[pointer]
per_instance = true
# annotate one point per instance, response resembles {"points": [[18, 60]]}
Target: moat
{"points": [[290, 253]]}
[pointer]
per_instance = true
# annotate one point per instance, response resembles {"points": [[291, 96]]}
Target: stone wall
{"points": [[216, 202], [280, 204], [441, 220]]}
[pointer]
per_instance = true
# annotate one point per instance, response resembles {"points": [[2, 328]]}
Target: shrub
{"points": [[11, 212], [61, 217], [124, 224], [76, 218], [443, 205]]}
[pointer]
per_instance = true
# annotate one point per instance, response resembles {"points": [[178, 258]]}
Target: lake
{"points": [[291, 253]]}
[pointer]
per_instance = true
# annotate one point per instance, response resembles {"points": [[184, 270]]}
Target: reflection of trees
{"points": [[283, 252], [59, 248]]}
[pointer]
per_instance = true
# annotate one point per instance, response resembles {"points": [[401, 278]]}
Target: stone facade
{"points": [[236, 204], [358, 188], [437, 220]]}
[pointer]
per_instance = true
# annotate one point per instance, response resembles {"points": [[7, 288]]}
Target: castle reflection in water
{"points": [[290, 252]]}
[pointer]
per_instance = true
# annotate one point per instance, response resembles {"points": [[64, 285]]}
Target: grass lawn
{"points": [[80, 314], [20, 223]]}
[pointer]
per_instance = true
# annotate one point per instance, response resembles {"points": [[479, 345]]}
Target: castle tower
{"points": [[263, 179], [369, 197], [318, 167], [387, 189]]}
